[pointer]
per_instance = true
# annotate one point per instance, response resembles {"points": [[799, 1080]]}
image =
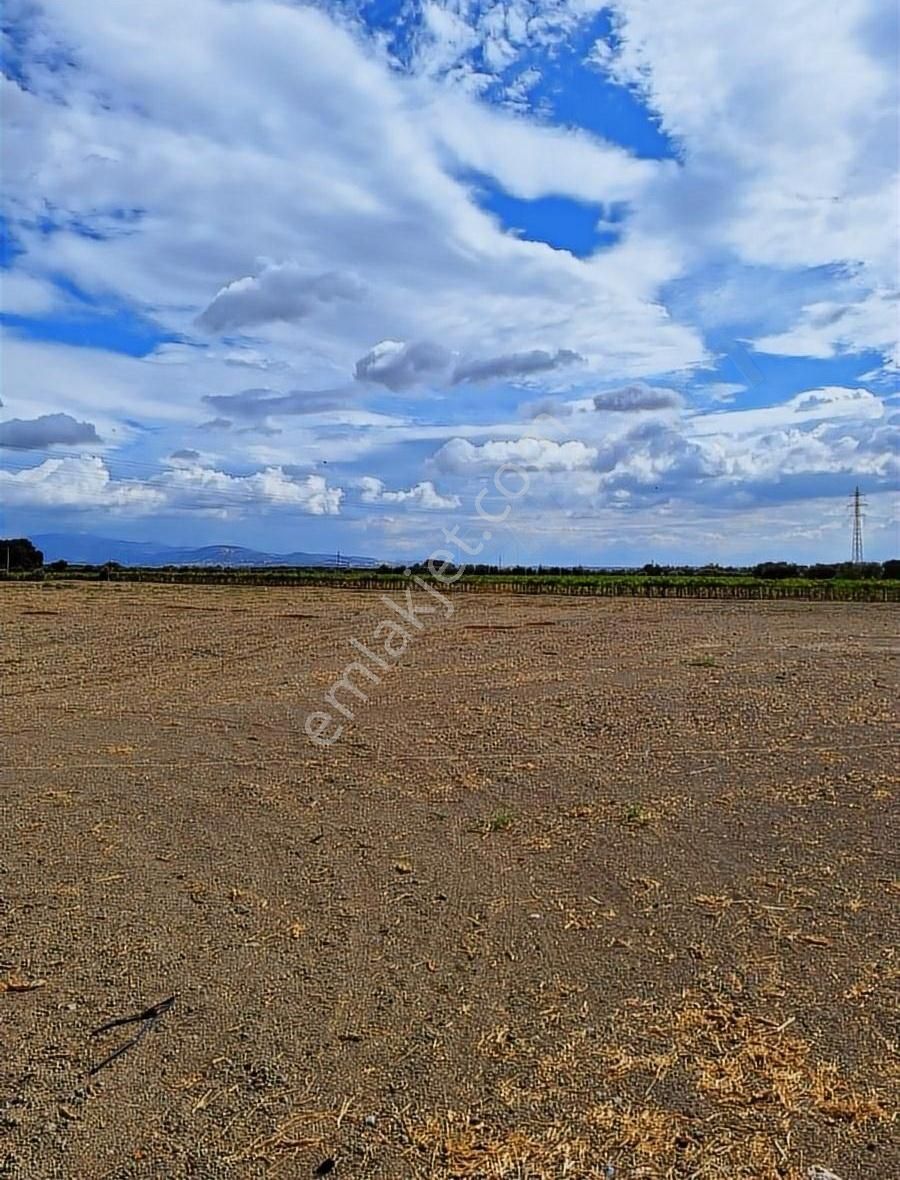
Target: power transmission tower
{"points": [[857, 502]]}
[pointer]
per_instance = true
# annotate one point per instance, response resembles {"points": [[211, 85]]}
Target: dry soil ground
{"points": [[588, 889]]}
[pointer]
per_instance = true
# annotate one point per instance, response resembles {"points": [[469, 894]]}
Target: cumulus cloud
{"points": [[460, 457], [399, 366], [630, 399], [773, 459], [422, 495], [86, 483], [652, 454], [280, 291], [829, 397], [203, 487], [77, 483], [46, 431], [515, 365], [816, 453], [818, 443]]}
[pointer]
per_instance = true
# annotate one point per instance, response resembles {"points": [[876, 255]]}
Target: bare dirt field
{"points": [[587, 889]]}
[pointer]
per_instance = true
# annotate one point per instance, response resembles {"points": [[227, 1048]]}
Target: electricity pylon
{"points": [[857, 502]]}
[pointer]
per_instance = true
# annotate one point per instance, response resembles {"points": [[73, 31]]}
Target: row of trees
{"points": [[770, 570], [19, 555], [777, 570]]}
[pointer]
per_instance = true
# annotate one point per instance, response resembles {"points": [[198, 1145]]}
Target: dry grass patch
{"points": [[702, 1088], [455, 1146]]}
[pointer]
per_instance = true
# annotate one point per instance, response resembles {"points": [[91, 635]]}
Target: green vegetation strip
{"points": [[605, 585]]}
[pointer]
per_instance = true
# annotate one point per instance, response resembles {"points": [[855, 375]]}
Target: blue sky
{"points": [[304, 277]]}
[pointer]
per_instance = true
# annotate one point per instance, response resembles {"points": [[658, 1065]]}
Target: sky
{"points": [[306, 276]]}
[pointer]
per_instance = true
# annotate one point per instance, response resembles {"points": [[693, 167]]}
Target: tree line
{"points": [[20, 555], [768, 570]]}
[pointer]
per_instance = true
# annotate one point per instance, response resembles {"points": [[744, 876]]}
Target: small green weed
{"points": [[500, 821], [638, 816]]}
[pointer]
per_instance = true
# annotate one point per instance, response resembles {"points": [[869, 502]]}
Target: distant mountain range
{"points": [[90, 550]]}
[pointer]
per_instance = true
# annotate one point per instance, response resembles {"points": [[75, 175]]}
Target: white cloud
{"points": [[652, 454], [377, 200], [105, 387], [530, 160], [459, 456], [722, 391], [830, 402], [77, 483], [788, 132], [469, 45], [854, 450], [422, 495], [23, 294], [821, 439], [200, 486], [447, 38], [86, 483], [829, 328]]}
